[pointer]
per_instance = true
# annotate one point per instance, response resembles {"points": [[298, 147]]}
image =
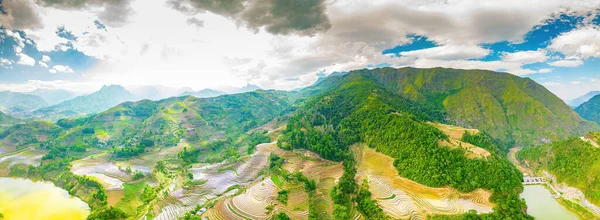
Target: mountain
{"points": [[53, 96], [105, 98], [321, 78], [205, 93], [235, 90], [509, 108], [584, 98], [156, 92], [16, 103], [362, 108], [572, 161], [590, 110]]}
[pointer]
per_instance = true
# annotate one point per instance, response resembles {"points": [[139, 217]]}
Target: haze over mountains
{"points": [[51, 104], [590, 109], [584, 98]]}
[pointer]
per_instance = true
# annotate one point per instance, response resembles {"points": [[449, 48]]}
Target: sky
{"points": [[286, 44]]}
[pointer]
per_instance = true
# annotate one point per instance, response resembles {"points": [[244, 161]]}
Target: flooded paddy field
{"points": [[25, 199]]}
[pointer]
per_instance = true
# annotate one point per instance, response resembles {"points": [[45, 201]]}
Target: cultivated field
{"points": [[402, 198], [454, 140]]}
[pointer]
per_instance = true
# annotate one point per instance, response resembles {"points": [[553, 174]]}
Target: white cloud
{"points": [[42, 64], [61, 69], [24, 59], [553, 84], [149, 47], [46, 59], [5, 62], [30, 85], [544, 70], [525, 57], [449, 52], [566, 63], [581, 43]]}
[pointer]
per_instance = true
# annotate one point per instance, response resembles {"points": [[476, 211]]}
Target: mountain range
{"points": [[53, 96], [590, 109], [105, 98], [584, 98], [19, 103], [511, 109], [441, 128]]}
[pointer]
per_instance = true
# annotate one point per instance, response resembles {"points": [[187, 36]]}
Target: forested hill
{"points": [[590, 110], [356, 109], [509, 108], [572, 161]]}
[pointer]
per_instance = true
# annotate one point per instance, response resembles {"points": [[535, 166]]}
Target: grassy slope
{"points": [[572, 161], [590, 110], [505, 106]]}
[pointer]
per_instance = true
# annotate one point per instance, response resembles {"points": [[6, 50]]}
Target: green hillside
{"points": [[130, 127], [357, 109], [573, 161], [30, 133], [509, 108], [590, 110]]}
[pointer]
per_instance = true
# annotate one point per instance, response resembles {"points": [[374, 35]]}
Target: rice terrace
{"points": [[299, 109]]}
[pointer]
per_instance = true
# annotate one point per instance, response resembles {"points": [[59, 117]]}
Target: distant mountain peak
{"points": [[584, 98]]}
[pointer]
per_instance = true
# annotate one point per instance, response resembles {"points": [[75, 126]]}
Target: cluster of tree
{"points": [[281, 216], [138, 175], [484, 141], [149, 193], [275, 162], [132, 151], [363, 113], [257, 138], [366, 205], [282, 196], [343, 193]]}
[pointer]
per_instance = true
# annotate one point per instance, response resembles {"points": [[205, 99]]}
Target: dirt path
{"points": [[512, 156]]}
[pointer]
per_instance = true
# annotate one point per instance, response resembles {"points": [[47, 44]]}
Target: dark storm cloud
{"points": [[19, 14], [114, 12], [300, 17]]}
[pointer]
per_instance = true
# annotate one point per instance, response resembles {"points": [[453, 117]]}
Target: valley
{"points": [[370, 144]]}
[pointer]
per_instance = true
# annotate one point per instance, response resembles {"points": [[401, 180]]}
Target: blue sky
{"points": [[82, 47]]}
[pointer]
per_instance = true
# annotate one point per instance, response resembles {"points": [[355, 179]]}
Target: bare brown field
{"points": [[403, 198]]}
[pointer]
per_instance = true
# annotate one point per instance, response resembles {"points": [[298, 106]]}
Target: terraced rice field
{"points": [[250, 204], [108, 173], [455, 135], [26, 156], [253, 203], [219, 177], [402, 198], [325, 173]]}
